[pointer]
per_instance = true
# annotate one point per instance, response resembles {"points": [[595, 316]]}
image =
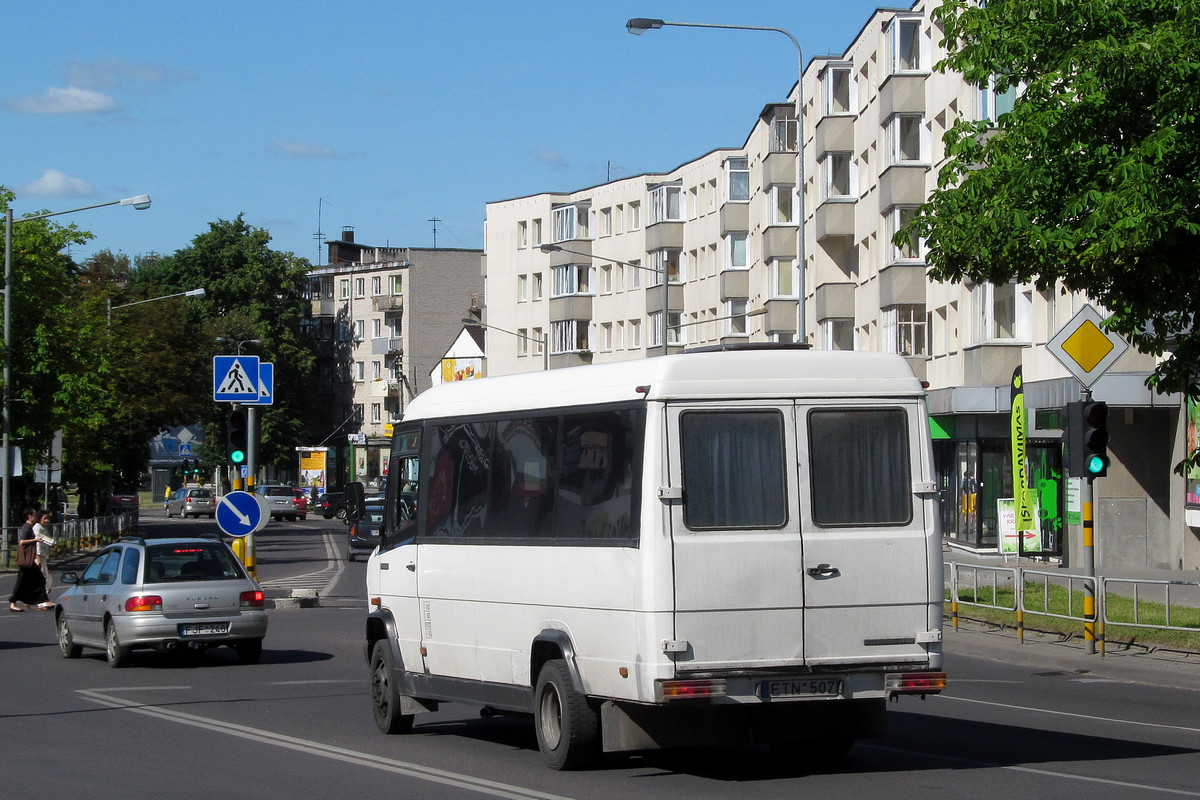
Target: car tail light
{"points": [[146, 602], [687, 690], [914, 682], [251, 599], [354, 529]]}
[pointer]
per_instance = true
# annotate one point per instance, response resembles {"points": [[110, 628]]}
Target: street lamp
{"points": [[140, 202], [189, 293], [666, 296], [545, 337], [758, 312], [640, 25], [223, 340]]}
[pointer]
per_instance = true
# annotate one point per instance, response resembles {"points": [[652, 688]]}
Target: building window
{"points": [[376, 286], [736, 322], [360, 287], [376, 371], [837, 333], [737, 179], [522, 288], [635, 216], [993, 104], [664, 261], [735, 251], [838, 176], [908, 45], [783, 205], [783, 130], [606, 337], [620, 343], [654, 322], [376, 328], [359, 371], [606, 279], [1001, 313], [522, 342], [571, 279], [839, 88], [522, 234], [619, 219], [570, 336], [784, 278], [397, 284], [606, 222], [635, 334], [344, 286], [564, 223], [376, 413], [537, 233], [538, 341], [905, 330], [537, 286], [665, 204], [676, 330], [912, 250], [907, 139], [635, 274]]}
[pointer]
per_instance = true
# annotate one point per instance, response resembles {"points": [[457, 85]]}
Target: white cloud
{"points": [[110, 73], [71, 100], [55, 184], [302, 150], [552, 159]]}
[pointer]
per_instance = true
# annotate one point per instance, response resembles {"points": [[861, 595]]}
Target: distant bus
{"points": [[696, 549]]}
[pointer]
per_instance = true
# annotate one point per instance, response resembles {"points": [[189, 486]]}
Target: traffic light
{"points": [[1087, 439], [237, 434]]}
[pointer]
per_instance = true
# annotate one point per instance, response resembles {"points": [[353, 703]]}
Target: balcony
{"points": [[654, 297], [664, 236], [388, 302], [387, 345], [834, 301], [571, 306], [735, 284], [834, 134], [324, 307], [902, 284], [835, 218], [779, 241], [781, 316], [735, 217], [779, 168], [902, 94], [902, 185]]}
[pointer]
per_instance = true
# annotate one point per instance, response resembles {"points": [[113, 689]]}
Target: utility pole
{"points": [[435, 221]]}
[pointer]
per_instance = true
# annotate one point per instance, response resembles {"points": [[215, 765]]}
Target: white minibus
{"points": [[709, 548]]}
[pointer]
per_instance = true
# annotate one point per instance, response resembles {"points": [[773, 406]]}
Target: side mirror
{"points": [[68, 577], [355, 501]]}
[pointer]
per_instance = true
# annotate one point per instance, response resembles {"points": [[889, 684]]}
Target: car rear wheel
{"points": [[385, 697], [568, 728], [341, 513], [168, 512], [66, 642], [117, 653]]}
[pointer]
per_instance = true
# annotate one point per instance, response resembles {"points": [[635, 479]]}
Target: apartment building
{"points": [[578, 277], [382, 318]]}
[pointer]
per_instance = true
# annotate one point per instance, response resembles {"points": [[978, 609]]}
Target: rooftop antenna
{"points": [[435, 221], [608, 173], [319, 236]]}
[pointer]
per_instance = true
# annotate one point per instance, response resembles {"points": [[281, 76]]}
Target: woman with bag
{"points": [[31, 586]]}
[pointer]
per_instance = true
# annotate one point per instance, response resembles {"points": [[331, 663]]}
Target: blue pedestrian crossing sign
{"points": [[266, 385], [235, 379], [241, 513]]}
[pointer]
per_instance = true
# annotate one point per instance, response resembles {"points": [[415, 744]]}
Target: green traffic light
{"points": [[1096, 465], [237, 456]]}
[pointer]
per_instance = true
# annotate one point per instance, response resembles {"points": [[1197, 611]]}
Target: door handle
{"points": [[411, 567], [823, 571]]}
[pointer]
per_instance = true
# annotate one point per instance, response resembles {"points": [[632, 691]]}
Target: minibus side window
{"points": [[733, 469], [522, 478], [600, 471], [460, 457], [860, 466]]}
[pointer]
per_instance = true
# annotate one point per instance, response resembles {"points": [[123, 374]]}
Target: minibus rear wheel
{"points": [[568, 727]]}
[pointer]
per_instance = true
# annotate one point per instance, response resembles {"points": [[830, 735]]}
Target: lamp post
{"points": [[189, 293], [758, 312], [139, 202], [545, 337], [640, 25], [666, 296]]}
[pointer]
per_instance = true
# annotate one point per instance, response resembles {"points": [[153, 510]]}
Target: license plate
{"points": [[824, 686], [204, 629]]}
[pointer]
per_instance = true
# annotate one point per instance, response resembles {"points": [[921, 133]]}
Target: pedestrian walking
{"points": [[30, 589], [45, 540]]}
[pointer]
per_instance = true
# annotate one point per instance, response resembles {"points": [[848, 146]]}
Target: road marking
{"points": [[1091, 717], [407, 768], [323, 580]]}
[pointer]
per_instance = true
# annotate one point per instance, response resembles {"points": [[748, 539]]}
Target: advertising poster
{"points": [[312, 470]]}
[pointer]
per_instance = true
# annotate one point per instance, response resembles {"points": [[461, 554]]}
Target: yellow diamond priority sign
{"points": [[1085, 348]]}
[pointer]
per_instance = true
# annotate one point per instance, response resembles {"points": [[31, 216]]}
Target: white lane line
{"points": [[1089, 717], [443, 777], [323, 579]]}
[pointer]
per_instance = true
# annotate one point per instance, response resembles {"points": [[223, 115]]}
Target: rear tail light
{"points": [[914, 682], [251, 599], [687, 690], [147, 602]]}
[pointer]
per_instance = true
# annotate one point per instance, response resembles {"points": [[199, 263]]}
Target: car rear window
{"points": [[201, 493], [199, 561], [278, 491]]}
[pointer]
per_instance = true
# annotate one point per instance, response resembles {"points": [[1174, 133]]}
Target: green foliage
{"points": [[252, 292], [1093, 179]]}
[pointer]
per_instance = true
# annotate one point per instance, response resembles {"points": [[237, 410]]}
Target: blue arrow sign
{"points": [[266, 385], [235, 379], [239, 514]]}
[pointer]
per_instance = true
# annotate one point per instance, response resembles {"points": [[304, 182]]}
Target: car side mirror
{"points": [[356, 499], [68, 577]]}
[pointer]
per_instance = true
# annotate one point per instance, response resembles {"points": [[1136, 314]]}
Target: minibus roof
{"points": [[727, 375]]}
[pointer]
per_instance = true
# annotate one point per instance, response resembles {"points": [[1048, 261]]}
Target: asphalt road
{"points": [[1036, 720]]}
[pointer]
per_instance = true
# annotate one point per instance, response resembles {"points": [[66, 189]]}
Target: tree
{"points": [[1092, 181], [253, 292]]}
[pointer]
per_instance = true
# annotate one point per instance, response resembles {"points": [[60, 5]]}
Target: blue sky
{"points": [[376, 115]]}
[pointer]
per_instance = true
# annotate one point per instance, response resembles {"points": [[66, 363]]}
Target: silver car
{"points": [[192, 502], [281, 500], [165, 594]]}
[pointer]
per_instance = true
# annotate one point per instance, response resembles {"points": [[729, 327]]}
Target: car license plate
{"points": [[823, 686], [204, 629]]}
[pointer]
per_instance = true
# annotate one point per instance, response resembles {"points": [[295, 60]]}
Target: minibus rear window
{"points": [[733, 471], [860, 467]]}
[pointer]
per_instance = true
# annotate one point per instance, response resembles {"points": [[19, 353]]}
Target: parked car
{"points": [[123, 502], [166, 594], [280, 499], [332, 504], [192, 502], [364, 533], [301, 504]]}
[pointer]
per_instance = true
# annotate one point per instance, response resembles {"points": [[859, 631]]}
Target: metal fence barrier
{"points": [[76, 535], [1137, 585]]}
